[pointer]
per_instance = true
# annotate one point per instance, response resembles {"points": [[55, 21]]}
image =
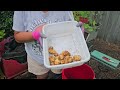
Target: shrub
{"points": [[6, 24], [88, 17]]}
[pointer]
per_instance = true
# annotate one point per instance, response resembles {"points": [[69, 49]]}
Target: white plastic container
{"points": [[65, 36]]}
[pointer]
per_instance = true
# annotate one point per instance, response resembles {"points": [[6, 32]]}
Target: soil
{"points": [[101, 71]]}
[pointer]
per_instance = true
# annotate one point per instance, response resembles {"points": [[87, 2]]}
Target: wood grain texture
{"points": [[110, 28]]}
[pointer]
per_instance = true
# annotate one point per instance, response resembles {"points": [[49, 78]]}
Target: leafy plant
{"points": [[91, 25], [6, 24], [2, 33]]}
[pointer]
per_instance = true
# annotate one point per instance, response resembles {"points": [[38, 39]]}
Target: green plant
{"points": [[2, 33], [91, 25], [6, 24]]}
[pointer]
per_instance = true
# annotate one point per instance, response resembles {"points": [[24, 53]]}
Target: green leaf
{"points": [[94, 23], [82, 13], [90, 29], [1, 37], [2, 33], [86, 26]]}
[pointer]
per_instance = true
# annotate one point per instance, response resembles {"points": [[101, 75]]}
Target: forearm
{"points": [[22, 37]]}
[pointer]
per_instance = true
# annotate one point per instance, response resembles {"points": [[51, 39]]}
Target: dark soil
{"points": [[110, 49], [101, 71]]}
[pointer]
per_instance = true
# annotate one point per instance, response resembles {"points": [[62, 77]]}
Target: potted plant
{"points": [[89, 21]]}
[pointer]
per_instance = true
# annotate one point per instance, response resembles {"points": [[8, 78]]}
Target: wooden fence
{"points": [[110, 26]]}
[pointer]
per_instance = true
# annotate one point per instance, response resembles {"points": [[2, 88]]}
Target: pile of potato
{"points": [[62, 58]]}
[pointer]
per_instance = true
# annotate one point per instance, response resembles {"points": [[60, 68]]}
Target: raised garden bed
{"points": [[102, 71]]}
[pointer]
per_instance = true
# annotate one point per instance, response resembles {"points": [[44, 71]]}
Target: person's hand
{"points": [[38, 35], [80, 24]]}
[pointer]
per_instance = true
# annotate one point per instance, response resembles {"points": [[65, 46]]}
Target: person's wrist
{"points": [[36, 35]]}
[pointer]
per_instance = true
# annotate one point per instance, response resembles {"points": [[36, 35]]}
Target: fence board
{"points": [[110, 28]]}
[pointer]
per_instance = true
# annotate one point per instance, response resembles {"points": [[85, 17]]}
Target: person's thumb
{"points": [[79, 24]]}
